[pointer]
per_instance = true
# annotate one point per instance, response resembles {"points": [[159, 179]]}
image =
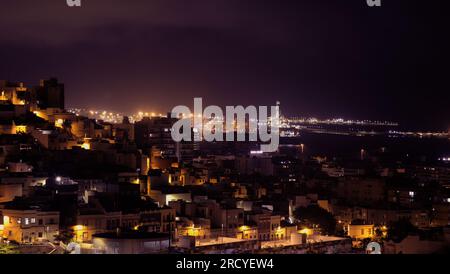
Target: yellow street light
{"points": [[306, 231], [78, 227]]}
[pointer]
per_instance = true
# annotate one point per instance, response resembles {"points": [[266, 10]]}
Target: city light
{"points": [[86, 146], [306, 231], [79, 227], [194, 231], [294, 143], [244, 228], [59, 123]]}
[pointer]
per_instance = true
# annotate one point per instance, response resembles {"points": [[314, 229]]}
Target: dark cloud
{"points": [[321, 57]]}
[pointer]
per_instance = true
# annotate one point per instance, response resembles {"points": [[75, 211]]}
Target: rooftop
{"points": [[132, 235]]}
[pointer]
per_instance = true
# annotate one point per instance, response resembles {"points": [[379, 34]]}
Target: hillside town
{"points": [[70, 184]]}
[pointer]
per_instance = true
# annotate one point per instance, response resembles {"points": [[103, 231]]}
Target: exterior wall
{"points": [[248, 233], [324, 204], [361, 231], [129, 246], [88, 225], [19, 168], [198, 231], [9, 191], [228, 218], [250, 165], [413, 245], [367, 190], [441, 215], [28, 226], [268, 227]]}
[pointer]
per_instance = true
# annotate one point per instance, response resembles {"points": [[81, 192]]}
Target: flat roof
{"points": [[133, 235]]}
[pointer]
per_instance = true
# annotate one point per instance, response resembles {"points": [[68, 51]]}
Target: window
{"points": [[27, 221], [40, 222], [33, 220], [40, 234]]}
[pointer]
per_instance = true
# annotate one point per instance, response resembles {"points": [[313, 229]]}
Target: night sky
{"points": [[325, 58]]}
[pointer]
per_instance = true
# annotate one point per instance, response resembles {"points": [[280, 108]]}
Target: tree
{"points": [[65, 236], [378, 232], [399, 230], [9, 249], [314, 215]]}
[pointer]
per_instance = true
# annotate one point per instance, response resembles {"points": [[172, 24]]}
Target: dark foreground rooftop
{"points": [[132, 235]]}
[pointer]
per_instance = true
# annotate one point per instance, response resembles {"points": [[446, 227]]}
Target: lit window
{"points": [[27, 221], [33, 220], [411, 194]]}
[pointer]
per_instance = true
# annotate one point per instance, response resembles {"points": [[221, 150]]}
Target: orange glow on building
{"points": [[41, 114], [21, 129], [59, 123], [3, 96], [87, 144], [306, 231]]}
